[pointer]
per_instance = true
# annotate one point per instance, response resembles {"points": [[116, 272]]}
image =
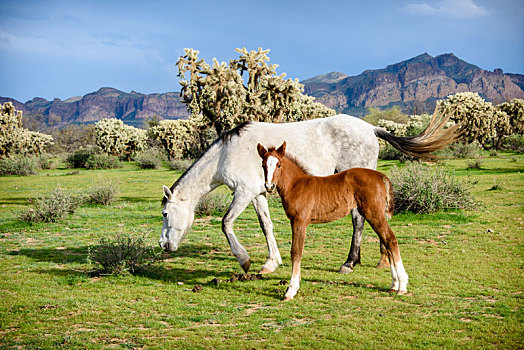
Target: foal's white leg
{"points": [[240, 202], [294, 284], [402, 277], [399, 277], [262, 209]]}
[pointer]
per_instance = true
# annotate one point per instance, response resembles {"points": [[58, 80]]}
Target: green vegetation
{"points": [[465, 268]]}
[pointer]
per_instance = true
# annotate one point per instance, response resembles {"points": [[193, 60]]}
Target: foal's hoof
{"points": [[345, 269], [246, 265], [382, 264]]}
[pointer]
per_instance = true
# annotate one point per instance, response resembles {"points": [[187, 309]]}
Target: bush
{"points": [[104, 192], [90, 158], [78, 159], [102, 161], [18, 165], [514, 143], [421, 189], [180, 164], [213, 204], [53, 208], [149, 159], [474, 164], [122, 255], [462, 150]]}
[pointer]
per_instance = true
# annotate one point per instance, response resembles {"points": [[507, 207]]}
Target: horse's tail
{"points": [[390, 197], [433, 138]]}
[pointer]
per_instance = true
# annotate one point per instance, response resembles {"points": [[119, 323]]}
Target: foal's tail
{"points": [[433, 138], [390, 198]]}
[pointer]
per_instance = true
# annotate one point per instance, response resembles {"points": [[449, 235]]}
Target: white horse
{"points": [[326, 145]]}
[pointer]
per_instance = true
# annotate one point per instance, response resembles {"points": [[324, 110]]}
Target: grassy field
{"points": [[466, 272]]}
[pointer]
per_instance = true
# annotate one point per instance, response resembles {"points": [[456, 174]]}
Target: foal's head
{"points": [[271, 162]]}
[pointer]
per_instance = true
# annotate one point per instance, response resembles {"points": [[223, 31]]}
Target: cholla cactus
{"points": [[515, 111], [475, 115], [14, 138], [177, 136], [481, 121], [116, 138], [224, 95]]}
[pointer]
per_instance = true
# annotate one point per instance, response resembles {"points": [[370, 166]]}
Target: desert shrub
{"points": [[78, 159], [514, 143], [123, 254], [18, 164], [102, 161], [213, 204], [180, 164], [151, 158], [474, 164], [103, 192], [462, 150], [45, 161], [91, 158], [52, 208], [423, 189]]}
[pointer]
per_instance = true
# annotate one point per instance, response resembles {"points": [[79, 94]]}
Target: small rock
{"points": [[215, 281], [197, 288], [490, 230], [180, 283]]}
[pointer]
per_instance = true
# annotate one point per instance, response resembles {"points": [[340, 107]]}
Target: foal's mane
{"points": [[224, 137], [293, 159]]}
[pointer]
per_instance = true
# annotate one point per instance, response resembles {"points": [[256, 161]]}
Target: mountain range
{"points": [[414, 85]]}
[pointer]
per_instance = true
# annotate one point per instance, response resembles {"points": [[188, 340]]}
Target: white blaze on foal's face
{"points": [[271, 163]]}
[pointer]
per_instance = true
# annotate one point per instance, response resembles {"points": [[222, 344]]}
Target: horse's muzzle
{"points": [[270, 187]]}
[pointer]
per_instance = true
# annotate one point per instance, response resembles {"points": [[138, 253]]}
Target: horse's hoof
{"points": [[382, 264], [393, 291], [345, 269], [246, 265], [288, 298], [402, 292], [265, 270]]}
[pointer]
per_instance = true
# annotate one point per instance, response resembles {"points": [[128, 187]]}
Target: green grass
{"points": [[466, 284]]}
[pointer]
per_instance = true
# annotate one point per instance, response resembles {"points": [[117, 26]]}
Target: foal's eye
{"points": [[279, 165]]}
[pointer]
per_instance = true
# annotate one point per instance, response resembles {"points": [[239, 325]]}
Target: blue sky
{"points": [[70, 48]]}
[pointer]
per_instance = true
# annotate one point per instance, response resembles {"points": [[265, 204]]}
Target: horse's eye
{"points": [[279, 165], [165, 214]]}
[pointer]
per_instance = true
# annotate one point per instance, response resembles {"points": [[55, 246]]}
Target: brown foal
{"points": [[309, 199]]}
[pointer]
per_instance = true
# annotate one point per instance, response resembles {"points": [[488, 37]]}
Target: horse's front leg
{"points": [[240, 202], [297, 248], [262, 209]]}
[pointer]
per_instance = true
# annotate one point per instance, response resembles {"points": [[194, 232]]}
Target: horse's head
{"points": [[178, 218], [271, 163]]}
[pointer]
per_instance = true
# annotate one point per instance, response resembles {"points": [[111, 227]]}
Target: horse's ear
{"points": [[167, 192], [282, 149], [261, 150]]}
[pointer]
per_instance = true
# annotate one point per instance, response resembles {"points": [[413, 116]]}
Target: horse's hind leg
{"points": [[262, 209], [240, 202], [354, 252]]}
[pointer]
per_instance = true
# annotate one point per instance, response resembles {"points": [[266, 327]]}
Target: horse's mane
{"points": [[292, 158], [224, 137]]}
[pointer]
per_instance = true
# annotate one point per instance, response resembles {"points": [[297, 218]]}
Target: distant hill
{"points": [[413, 85], [133, 108]]}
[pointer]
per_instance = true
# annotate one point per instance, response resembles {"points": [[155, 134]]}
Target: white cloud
{"points": [[447, 8]]}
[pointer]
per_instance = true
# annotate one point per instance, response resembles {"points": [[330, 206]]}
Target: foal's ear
{"points": [[282, 149], [261, 150]]}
